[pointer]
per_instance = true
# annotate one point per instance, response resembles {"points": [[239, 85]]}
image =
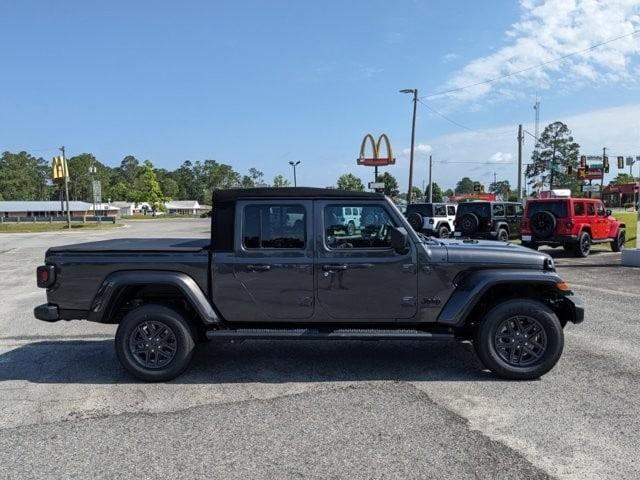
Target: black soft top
{"points": [[233, 194]]}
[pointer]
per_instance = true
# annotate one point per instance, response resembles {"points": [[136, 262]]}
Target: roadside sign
{"points": [[590, 188], [594, 173], [630, 161], [376, 185]]}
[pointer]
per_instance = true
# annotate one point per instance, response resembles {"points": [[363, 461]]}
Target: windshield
{"points": [[481, 209], [424, 209], [558, 208]]}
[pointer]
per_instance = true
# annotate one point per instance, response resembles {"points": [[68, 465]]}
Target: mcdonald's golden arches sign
{"points": [[376, 160]]}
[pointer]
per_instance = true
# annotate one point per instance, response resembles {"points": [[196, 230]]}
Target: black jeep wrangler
{"points": [[280, 265], [488, 220]]}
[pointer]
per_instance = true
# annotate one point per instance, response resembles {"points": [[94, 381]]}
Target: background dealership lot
{"points": [[379, 409]]}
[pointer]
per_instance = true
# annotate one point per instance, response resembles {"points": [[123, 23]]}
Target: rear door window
{"points": [[451, 210], [591, 209], [274, 226], [498, 210], [440, 211], [578, 209], [511, 210], [557, 208]]}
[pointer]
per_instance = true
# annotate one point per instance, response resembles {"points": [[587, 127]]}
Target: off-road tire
{"points": [[485, 342], [582, 248], [174, 322], [415, 220], [618, 243], [543, 224], [503, 235], [469, 223], [443, 232]]}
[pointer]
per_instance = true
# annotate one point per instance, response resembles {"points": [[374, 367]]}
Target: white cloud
{"points": [[550, 29], [449, 57], [419, 149], [500, 157]]}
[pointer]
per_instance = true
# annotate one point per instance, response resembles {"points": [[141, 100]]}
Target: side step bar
{"points": [[314, 334]]}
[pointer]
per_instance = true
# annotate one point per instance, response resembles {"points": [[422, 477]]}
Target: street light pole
{"points": [[294, 165], [66, 185], [414, 91]]}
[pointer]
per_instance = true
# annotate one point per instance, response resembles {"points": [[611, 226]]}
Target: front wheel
{"points": [[519, 339], [618, 243], [154, 343]]}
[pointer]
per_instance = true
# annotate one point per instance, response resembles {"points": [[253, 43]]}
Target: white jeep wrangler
{"points": [[432, 218]]}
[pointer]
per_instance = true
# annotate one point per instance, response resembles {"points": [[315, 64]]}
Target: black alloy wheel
{"points": [[154, 343], [618, 243], [543, 224], [503, 235], [443, 232], [583, 246], [520, 340]]}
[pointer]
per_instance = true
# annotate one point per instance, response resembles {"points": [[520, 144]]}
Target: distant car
{"points": [[433, 218], [350, 217], [489, 220], [573, 223]]}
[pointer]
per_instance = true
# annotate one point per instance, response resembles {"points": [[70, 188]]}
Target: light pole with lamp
{"points": [[413, 91], [294, 165]]}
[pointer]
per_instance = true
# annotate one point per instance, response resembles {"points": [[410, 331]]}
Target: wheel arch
{"points": [[479, 291], [127, 289]]}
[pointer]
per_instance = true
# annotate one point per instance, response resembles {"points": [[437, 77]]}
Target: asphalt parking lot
{"points": [[314, 409]]}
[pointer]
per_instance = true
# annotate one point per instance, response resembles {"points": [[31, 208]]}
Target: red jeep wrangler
{"points": [[573, 223]]}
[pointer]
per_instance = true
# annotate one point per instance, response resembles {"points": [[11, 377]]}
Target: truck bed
{"points": [[137, 245]]}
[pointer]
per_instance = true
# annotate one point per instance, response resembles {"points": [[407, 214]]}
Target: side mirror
{"points": [[609, 212], [399, 240]]}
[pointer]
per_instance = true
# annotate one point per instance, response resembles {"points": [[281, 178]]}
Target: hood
{"points": [[487, 252]]}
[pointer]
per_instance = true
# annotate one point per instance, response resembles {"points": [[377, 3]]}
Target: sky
{"points": [[261, 83]]}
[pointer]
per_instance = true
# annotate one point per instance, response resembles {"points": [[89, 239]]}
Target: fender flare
{"points": [[475, 284], [114, 284], [443, 223]]}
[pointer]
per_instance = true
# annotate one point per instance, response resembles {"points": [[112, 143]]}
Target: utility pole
{"points": [[604, 154], [430, 181], [66, 185], [414, 91], [553, 162], [495, 177], [294, 165], [520, 140]]}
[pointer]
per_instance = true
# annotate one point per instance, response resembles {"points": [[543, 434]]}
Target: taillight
{"points": [[46, 275], [569, 224]]}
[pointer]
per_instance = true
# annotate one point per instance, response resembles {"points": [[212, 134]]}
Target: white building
{"points": [[185, 207]]}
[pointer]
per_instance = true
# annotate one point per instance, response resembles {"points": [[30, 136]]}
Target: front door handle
{"points": [[258, 268], [334, 268]]}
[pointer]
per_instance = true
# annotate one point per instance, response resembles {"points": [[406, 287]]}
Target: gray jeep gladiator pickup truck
{"points": [[281, 264]]}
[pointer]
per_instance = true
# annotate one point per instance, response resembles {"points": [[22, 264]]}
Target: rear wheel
{"points": [[519, 339], [154, 343], [583, 247], [443, 232], [503, 235], [618, 243]]}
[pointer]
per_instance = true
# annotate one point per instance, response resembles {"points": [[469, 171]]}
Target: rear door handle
{"points": [[334, 268], [258, 268]]}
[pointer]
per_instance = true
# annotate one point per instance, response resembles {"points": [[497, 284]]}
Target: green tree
{"points": [[555, 151], [501, 187], [24, 177], [279, 181], [349, 181], [80, 177], [390, 184], [437, 193], [447, 193], [256, 175], [465, 185], [623, 178], [416, 194], [147, 188]]}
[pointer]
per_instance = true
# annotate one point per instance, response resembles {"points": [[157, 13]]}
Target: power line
{"points": [[458, 124], [532, 67]]}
